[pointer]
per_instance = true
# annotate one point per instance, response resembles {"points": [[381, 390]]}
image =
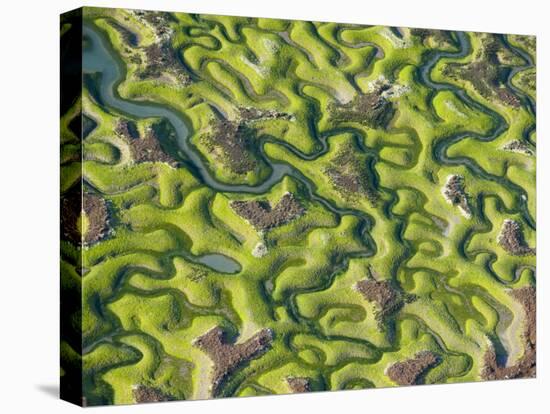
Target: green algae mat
{"points": [[253, 206]]}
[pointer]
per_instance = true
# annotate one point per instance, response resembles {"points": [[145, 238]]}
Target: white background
{"points": [[29, 204]]}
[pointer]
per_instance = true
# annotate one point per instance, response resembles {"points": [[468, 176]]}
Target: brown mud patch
{"points": [[233, 143], [97, 214], [518, 146], [442, 38], [349, 175], [411, 371], [127, 129], [298, 385], [264, 217], [71, 207], [388, 298], [145, 148], [161, 56], [228, 357], [370, 109], [455, 193], [486, 73], [526, 367], [159, 21], [512, 239], [144, 394], [96, 210], [248, 114]]}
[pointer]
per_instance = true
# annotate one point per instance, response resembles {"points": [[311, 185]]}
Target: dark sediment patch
{"points": [[145, 148], [148, 149], [442, 38], [507, 97], [486, 73], [370, 109], [411, 371], [71, 207], [383, 294], [518, 146], [349, 176], [526, 366], [162, 58], [512, 240], [298, 384], [389, 299], [228, 357], [248, 114], [527, 296], [127, 129], [97, 214], [159, 21], [455, 192], [144, 394], [233, 142], [263, 217]]}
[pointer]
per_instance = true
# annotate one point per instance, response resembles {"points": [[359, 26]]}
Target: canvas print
{"points": [[252, 206]]}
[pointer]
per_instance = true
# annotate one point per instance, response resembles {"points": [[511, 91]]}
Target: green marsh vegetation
{"points": [[273, 206]]}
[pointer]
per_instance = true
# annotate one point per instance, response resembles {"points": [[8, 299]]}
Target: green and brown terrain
{"points": [[254, 206]]}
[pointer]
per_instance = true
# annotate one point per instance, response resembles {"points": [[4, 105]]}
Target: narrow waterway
{"points": [[100, 58]]}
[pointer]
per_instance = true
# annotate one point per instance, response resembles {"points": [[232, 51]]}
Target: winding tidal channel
{"points": [[99, 57]]}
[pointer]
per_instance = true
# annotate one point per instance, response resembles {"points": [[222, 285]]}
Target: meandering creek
{"points": [[98, 57]]}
